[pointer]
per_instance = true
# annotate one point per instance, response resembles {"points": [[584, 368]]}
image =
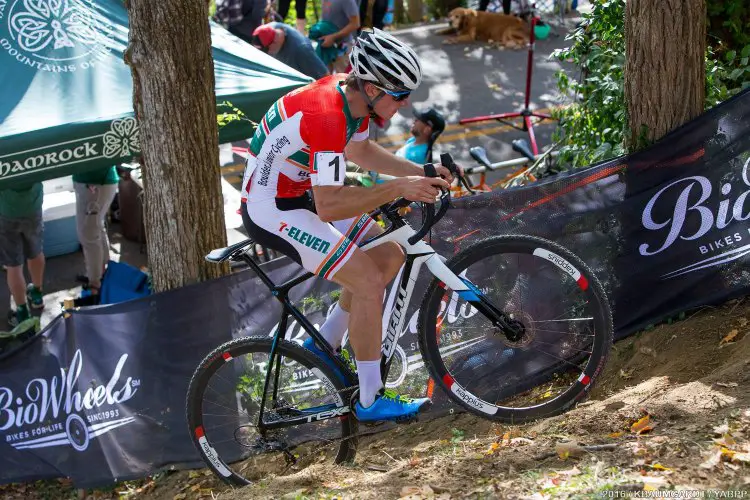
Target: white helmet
{"points": [[380, 58]]}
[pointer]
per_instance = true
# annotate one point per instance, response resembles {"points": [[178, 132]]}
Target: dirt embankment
{"points": [[672, 411]]}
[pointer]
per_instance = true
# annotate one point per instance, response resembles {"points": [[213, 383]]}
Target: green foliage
{"points": [[457, 435], [728, 22], [312, 12], [311, 303], [438, 9], [592, 129], [231, 114], [727, 75]]}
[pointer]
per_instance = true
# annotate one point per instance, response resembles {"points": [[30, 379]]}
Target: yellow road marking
{"points": [[475, 133], [449, 128]]}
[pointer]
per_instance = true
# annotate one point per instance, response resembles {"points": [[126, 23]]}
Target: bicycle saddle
{"points": [[521, 146], [219, 255], [480, 155]]}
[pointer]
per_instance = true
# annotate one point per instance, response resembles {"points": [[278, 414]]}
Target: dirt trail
{"points": [[690, 379]]}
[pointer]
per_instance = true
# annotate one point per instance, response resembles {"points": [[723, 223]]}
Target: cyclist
{"points": [[302, 144]]}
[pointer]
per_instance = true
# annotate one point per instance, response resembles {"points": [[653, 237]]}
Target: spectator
{"points": [[288, 46], [344, 14], [21, 230], [427, 126], [483, 4], [379, 9], [299, 7], [95, 192], [240, 17]]}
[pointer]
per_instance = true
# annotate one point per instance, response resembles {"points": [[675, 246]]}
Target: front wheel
{"points": [[548, 361]]}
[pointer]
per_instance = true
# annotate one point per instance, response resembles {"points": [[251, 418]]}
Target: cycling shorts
{"points": [[291, 226]]}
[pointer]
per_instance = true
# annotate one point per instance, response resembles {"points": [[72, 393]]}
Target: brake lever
{"points": [[447, 160]]}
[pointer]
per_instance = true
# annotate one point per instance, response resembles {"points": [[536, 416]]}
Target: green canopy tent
{"points": [[66, 93]]}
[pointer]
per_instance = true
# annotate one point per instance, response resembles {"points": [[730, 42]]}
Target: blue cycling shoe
{"points": [[390, 406], [310, 345]]}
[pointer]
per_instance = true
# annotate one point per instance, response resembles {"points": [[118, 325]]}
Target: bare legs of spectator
{"points": [[506, 6], [379, 10], [299, 6], [92, 204]]}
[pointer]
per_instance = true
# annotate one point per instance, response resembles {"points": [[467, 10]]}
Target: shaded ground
{"points": [[689, 378]]}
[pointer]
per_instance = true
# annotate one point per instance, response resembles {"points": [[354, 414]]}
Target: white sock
{"points": [[335, 326], [369, 381]]}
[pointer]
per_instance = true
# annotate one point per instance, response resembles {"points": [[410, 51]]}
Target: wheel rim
{"points": [[561, 316], [224, 420]]}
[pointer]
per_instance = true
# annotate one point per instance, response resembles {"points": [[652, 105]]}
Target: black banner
{"points": [[100, 395]]}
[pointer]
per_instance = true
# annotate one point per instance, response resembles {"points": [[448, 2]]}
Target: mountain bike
{"points": [[513, 328]]}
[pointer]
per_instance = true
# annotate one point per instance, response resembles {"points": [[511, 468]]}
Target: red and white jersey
{"points": [[300, 142]]}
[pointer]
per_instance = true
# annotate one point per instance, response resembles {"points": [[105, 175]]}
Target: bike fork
{"points": [[509, 327]]}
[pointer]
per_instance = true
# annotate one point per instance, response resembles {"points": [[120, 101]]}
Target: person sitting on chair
{"points": [[427, 126]]}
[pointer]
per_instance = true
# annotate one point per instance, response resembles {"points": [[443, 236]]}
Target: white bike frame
{"points": [[401, 293]]}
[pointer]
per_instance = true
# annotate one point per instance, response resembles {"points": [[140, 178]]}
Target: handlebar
{"points": [[390, 210]]}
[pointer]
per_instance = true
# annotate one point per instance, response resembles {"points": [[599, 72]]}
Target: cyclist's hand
{"points": [[446, 174], [424, 189]]}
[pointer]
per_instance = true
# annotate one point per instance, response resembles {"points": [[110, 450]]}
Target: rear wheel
{"points": [[559, 346], [223, 405]]}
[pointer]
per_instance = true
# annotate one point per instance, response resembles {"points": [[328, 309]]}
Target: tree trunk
{"points": [[665, 72], [169, 53], [414, 10]]}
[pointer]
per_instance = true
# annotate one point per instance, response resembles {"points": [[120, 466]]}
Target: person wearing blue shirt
{"points": [[287, 45], [427, 126]]}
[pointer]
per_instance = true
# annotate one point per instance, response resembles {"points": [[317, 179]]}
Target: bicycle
{"points": [[525, 170], [261, 403]]}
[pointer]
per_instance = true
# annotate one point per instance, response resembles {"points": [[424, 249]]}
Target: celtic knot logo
{"points": [[122, 138], [59, 22]]}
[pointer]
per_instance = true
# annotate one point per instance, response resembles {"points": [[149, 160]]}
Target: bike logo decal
{"points": [[210, 453], [55, 35], [54, 413], [696, 199], [563, 264], [468, 397]]}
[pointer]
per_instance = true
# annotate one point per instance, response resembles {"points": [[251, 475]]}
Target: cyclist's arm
{"points": [[372, 156], [342, 202]]}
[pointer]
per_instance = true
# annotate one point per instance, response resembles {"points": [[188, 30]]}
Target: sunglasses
{"points": [[398, 96]]}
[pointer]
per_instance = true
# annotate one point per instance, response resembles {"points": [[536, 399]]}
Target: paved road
{"points": [[460, 80]]}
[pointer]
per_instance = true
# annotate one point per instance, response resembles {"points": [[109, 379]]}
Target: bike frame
{"points": [[417, 255]]}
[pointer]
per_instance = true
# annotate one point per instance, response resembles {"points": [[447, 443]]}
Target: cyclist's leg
{"points": [[389, 256]]}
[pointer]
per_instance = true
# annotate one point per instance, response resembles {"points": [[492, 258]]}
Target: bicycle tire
{"points": [[524, 246], [235, 349]]}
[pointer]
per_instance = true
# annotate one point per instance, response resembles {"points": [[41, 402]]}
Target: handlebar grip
{"points": [[447, 161], [429, 170]]}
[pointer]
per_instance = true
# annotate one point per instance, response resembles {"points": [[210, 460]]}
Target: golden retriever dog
{"points": [[472, 25]]}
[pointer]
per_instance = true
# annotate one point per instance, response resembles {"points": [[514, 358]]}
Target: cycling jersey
{"points": [[300, 143]]}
